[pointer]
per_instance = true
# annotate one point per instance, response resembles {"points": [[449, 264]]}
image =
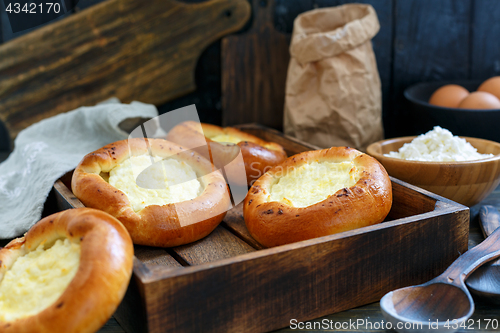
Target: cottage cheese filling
{"points": [[37, 279], [178, 181], [313, 182], [224, 138]]}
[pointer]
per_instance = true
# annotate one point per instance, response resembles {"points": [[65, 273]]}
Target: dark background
{"points": [[419, 40]]}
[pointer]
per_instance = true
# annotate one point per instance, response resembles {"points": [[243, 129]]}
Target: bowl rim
{"points": [[410, 98], [410, 138]]}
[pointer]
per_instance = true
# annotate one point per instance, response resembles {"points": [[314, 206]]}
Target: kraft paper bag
{"points": [[333, 91]]}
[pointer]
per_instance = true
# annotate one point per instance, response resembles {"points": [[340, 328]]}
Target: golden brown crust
{"points": [[165, 226], [258, 155], [367, 202], [92, 296]]}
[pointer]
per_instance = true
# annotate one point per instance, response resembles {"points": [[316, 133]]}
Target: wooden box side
{"points": [[264, 290]]}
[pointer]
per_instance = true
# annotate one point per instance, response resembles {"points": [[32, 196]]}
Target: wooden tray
{"points": [[228, 283]]}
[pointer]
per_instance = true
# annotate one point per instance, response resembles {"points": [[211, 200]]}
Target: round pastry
{"points": [[317, 193], [258, 155], [192, 202], [68, 273]]}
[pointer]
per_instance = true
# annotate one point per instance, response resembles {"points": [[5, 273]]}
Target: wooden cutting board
{"points": [[131, 49]]}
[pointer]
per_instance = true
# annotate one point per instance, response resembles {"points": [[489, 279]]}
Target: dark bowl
{"points": [[483, 124]]}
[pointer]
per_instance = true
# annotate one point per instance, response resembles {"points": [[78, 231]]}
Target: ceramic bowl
{"points": [[466, 182], [463, 122]]}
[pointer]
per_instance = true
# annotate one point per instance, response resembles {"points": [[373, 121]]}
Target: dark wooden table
{"points": [[369, 318]]}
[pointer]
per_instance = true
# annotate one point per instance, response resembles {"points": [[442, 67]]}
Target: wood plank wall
{"points": [[419, 40]]}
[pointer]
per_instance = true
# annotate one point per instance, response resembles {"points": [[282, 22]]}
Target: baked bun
{"points": [[172, 216], [68, 273], [258, 155], [317, 193]]}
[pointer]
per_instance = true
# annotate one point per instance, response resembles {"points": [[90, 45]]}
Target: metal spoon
{"points": [[443, 303], [485, 281]]}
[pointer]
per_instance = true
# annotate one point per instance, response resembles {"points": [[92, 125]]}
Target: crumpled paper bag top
{"points": [[327, 32], [333, 90], [50, 148]]}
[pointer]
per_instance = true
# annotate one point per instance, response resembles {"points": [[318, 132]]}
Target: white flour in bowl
{"points": [[438, 145]]}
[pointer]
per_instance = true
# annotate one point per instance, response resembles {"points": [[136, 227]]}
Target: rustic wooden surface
{"points": [[6, 32], [254, 66], [119, 48], [418, 59], [370, 316], [485, 60]]}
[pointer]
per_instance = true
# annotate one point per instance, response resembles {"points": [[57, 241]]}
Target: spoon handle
{"points": [[489, 219], [461, 268]]}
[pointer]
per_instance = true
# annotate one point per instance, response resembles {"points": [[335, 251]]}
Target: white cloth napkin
{"points": [[48, 149]]}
